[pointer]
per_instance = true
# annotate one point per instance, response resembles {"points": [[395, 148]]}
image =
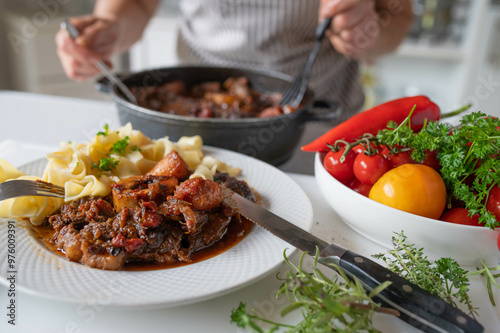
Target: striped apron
{"points": [[270, 34]]}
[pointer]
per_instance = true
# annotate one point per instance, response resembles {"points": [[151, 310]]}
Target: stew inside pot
{"points": [[231, 99]]}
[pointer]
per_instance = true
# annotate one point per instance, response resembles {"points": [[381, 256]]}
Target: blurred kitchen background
{"points": [[452, 53]]}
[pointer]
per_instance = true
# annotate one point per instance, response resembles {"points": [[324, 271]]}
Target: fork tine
{"points": [[23, 187], [43, 187], [50, 187], [291, 91]]}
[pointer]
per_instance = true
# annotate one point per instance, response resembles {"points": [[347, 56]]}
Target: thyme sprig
{"points": [[443, 278]]}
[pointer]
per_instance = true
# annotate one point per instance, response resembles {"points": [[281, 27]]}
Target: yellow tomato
{"points": [[413, 188]]}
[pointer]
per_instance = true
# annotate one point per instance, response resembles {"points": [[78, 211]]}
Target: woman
{"points": [[260, 34]]}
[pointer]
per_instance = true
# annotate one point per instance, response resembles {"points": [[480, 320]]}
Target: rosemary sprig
{"points": [[487, 273], [328, 304], [334, 305]]}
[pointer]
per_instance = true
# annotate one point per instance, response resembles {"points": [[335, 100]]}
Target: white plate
{"points": [[43, 273]]}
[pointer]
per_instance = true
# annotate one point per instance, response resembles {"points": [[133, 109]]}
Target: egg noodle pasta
{"points": [[89, 169]]}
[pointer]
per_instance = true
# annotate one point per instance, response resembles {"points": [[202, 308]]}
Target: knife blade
{"points": [[416, 306], [74, 33]]}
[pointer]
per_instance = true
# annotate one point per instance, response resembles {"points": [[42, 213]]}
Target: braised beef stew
{"points": [[231, 99], [162, 217]]}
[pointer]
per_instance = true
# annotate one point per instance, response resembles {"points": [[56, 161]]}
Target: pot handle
{"points": [[103, 85], [330, 111]]}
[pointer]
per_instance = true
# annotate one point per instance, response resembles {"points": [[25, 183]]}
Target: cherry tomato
{"points": [[359, 148], [369, 168], [341, 171], [359, 187], [413, 188], [493, 203], [498, 242], [461, 216], [431, 160], [395, 160]]}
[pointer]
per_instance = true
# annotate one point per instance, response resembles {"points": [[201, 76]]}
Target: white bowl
{"points": [[378, 222]]}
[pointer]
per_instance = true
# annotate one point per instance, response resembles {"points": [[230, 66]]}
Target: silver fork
{"points": [[294, 94], [21, 187]]}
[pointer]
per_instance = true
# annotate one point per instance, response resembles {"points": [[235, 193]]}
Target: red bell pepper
{"points": [[376, 118]]}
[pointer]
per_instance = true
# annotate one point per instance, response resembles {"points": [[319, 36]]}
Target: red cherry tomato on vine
{"points": [[343, 172], [461, 216], [395, 160], [359, 148], [368, 169], [493, 203], [359, 187]]}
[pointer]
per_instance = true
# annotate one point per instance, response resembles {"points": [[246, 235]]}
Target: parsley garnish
{"points": [[120, 146], [106, 131], [106, 164]]}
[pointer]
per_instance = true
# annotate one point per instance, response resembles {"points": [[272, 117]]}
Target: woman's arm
{"points": [[367, 28], [131, 16]]}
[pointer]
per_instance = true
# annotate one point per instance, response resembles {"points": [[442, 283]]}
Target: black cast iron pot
{"points": [[270, 139]]}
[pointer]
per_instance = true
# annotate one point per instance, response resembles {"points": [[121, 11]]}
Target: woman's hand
{"points": [[98, 40], [354, 27], [366, 28]]}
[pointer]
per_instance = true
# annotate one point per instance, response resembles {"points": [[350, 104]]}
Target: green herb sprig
{"points": [[487, 273], [106, 164], [120, 146], [465, 152], [331, 305], [105, 132], [443, 278], [328, 304]]}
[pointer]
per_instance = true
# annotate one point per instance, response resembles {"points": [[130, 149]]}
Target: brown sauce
{"points": [[236, 231]]}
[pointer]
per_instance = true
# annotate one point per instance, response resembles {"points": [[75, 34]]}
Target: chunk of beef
{"points": [[201, 193], [183, 212], [131, 192], [214, 229], [102, 257], [235, 185], [82, 210], [163, 245], [69, 241]]}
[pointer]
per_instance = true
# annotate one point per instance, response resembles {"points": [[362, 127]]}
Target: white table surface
{"points": [[32, 125]]}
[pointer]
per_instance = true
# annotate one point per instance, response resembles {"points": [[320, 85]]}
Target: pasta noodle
{"points": [[89, 169], [8, 171]]}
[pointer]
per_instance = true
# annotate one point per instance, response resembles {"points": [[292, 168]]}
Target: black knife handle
{"points": [[418, 307]]}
